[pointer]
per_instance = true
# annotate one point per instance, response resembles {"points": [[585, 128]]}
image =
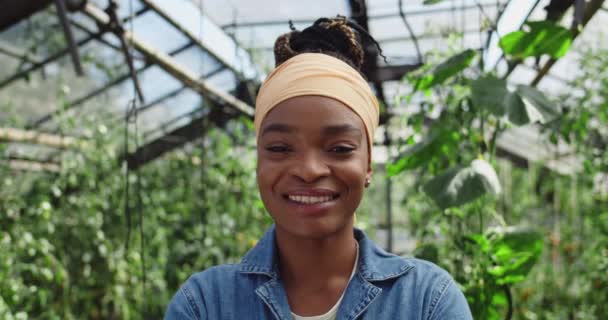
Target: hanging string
{"points": [[131, 119], [203, 212], [411, 31], [129, 110], [200, 37], [137, 172], [462, 24]]}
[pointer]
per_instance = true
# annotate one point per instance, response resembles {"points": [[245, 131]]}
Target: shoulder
{"points": [[425, 269], [418, 287], [441, 296], [189, 300]]}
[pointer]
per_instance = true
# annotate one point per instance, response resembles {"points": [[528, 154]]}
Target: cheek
{"points": [[267, 174], [353, 175]]}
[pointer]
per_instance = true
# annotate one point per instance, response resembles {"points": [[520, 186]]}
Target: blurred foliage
{"points": [[524, 243], [64, 235]]}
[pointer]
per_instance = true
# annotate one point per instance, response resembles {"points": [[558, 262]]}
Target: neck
{"points": [[316, 262]]}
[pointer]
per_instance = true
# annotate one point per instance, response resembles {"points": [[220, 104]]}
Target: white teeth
{"points": [[309, 199]]}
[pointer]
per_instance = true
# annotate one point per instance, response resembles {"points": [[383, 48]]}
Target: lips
{"points": [[311, 197]]}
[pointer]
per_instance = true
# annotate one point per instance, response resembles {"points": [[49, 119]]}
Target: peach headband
{"points": [[320, 75]]}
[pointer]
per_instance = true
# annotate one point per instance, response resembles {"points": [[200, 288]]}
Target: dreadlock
{"points": [[338, 37]]}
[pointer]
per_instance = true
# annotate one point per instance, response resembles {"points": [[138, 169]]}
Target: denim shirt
{"points": [[385, 286]]}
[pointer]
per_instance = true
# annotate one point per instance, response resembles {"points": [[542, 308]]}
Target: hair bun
{"points": [[337, 37], [282, 48]]}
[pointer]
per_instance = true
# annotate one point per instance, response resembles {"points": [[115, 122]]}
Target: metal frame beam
{"points": [[79, 101], [167, 17], [169, 65], [11, 51], [58, 55], [426, 11], [177, 138], [54, 57], [14, 11]]}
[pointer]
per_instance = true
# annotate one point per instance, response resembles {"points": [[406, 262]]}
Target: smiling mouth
{"points": [[311, 199]]}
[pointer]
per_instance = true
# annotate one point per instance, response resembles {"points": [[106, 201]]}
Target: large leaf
{"points": [[514, 251], [437, 144], [544, 37], [528, 105], [490, 93], [445, 70], [460, 185]]}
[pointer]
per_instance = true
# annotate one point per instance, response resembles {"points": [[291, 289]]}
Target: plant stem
{"points": [[494, 138], [509, 302]]}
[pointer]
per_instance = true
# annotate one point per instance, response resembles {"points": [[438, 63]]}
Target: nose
{"points": [[310, 167]]}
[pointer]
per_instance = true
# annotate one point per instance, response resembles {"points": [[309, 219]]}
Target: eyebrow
{"points": [[278, 127], [342, 128], [328, 130]]}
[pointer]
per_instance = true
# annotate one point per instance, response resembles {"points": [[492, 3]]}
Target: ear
{"points": [[368, 173]]}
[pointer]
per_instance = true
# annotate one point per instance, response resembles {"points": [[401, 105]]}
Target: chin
{"points": [[314, 229]]}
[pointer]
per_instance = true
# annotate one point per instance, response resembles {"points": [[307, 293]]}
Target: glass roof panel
{"points": [[197, 61], [155, 31], [255, 25], [187, 14], [224, 12]]}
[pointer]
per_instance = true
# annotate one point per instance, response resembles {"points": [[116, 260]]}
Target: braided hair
{"points": [[338, 37]]}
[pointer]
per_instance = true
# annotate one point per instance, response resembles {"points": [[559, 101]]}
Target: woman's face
{"points": [[312, 165]]}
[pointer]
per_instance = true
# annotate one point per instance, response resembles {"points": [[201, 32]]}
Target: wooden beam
{"points": [[28, 165], [34, 137], [168, 64]]}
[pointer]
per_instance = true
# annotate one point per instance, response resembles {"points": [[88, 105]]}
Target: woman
{"points": [[315, 120]]}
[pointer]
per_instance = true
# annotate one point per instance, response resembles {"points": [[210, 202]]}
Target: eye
{"points": [[341, 149], [278, 149]]}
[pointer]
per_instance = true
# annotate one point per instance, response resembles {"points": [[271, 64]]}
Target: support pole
{"points": [[69, 36]]}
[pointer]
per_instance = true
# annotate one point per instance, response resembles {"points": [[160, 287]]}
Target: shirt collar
{"points": [[375, 264]]}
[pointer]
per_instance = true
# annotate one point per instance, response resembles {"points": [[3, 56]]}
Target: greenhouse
{"points": [[135, 154]]}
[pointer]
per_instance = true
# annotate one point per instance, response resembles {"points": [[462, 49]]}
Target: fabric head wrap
{"points": [[319, 75]]}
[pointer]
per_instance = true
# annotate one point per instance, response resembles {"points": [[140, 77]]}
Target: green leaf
{"points": [[517, 111], [429, 2], [445, 70], [490, 93], [527, 105], [458, 186], [514, 250], [515, 45], [437, 144], [544, 37]]}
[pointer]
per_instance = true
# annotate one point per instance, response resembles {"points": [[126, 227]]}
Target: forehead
{"points": [[312, 112]]}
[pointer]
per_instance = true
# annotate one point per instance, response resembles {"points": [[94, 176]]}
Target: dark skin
{"points": [[313, 163]]}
